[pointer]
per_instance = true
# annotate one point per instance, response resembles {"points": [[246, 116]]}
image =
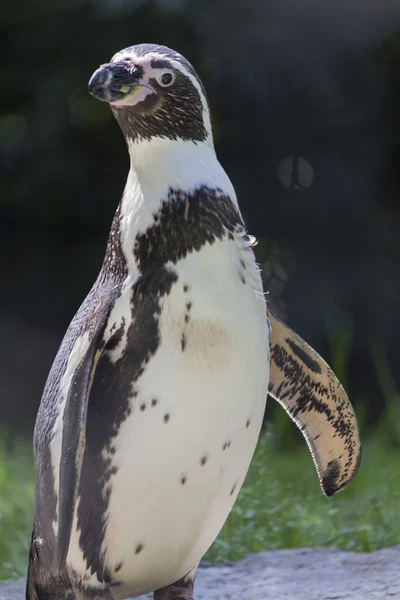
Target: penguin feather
{"points": [[306, 387], [73, 434]]}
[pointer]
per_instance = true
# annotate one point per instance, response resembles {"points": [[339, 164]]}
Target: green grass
{"points": [[280, 505], [16, 506]]}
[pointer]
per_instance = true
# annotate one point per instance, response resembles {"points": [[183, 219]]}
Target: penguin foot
{"points": [[171, 593], [177, 597], [180, 590]]}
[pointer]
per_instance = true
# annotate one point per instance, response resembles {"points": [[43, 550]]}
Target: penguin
{"points": [[154, 403]]}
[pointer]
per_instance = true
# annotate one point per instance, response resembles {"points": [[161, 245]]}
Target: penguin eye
{"points": [[166, 79]]}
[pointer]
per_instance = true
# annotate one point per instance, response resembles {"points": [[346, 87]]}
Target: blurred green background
{"points": [[306, 114]]}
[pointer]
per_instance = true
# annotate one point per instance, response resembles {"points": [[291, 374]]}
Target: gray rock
{"points": [[306, 574]]}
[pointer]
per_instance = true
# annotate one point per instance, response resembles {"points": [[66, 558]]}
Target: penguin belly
{"points": [[180, 457]]}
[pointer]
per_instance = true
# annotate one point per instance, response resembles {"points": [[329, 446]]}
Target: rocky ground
{"points": [[306, 574]]}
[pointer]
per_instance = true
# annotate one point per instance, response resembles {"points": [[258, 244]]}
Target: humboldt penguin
{"points": [[152, 409]]}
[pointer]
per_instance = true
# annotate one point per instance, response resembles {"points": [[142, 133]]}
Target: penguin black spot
{"points": [[166, 418], [187, 317], [241, 277], [247, 423], [226, 445], [233, 489], [143, 407], [188, 306], [203, 460], [242, 264], [154, 402], [139, 548], [183, 480], [118, 567], [185, 288], [183, 342]]}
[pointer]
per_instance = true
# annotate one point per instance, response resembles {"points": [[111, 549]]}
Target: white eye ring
{"points": [[166, 79]]}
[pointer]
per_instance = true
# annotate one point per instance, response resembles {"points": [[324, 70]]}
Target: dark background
{"points": [[306, 113]]}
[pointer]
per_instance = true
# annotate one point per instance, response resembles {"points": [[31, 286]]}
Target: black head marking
{"points": [[178, 116], [173, 112]]}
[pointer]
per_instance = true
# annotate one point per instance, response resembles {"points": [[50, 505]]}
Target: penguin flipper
{"points": [[306, 387], [74, 428]]}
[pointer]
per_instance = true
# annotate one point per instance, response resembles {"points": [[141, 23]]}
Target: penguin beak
{"points": [[115, 82]]}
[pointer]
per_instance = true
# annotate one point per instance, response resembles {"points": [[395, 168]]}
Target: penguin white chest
{"points": [[182, 454]]}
